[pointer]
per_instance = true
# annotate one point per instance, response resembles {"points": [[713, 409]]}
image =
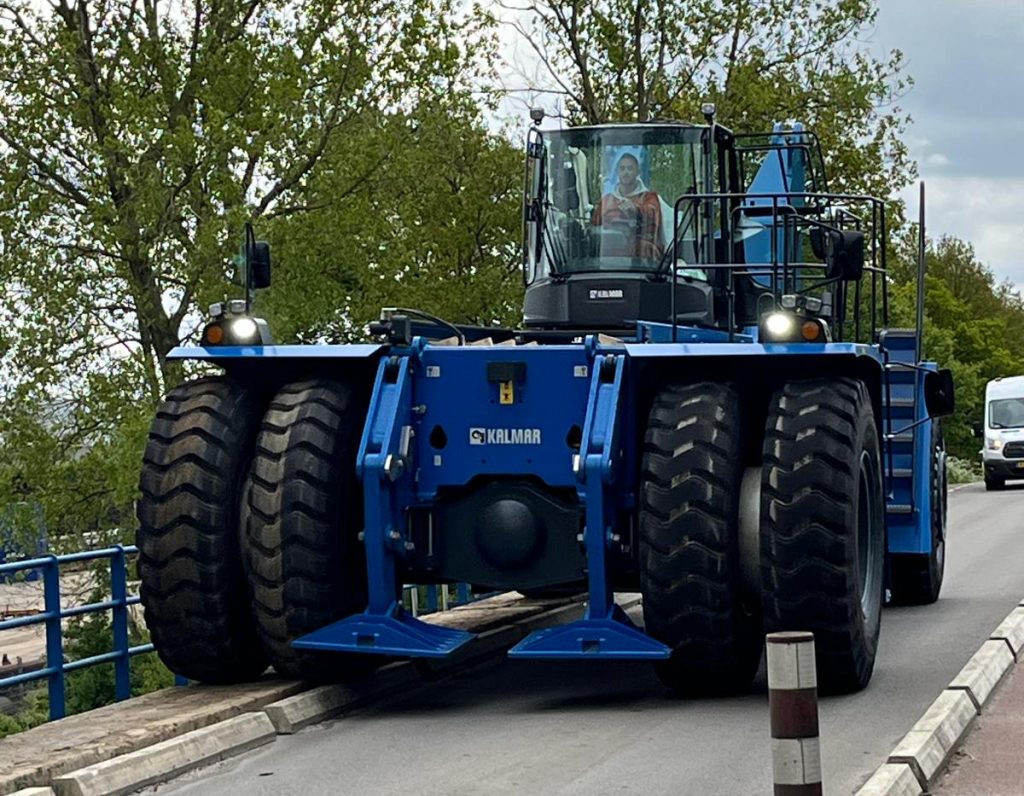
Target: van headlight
{"points": [[994, 443]]}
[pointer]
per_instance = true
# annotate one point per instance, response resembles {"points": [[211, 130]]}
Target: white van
{"points": [[1002, 450]]}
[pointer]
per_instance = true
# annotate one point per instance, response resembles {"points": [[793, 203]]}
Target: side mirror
{"points": [[842, 251], [258, 264], [939, 396], [978, 429]]}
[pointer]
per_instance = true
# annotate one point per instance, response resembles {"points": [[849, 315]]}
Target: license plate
{"points": [[1020, 465]]}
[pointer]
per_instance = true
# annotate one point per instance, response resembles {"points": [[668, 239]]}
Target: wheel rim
{"points": [[868, 548]]}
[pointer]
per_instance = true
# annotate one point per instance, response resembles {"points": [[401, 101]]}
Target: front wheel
{"points": [[301, 518], [822, 525], [192, 587], [690, 575]]}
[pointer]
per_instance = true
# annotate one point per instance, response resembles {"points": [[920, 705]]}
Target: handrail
{"points": [[52, 614], [56, 667]]}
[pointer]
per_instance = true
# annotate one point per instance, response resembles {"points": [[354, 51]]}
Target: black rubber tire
{"points": [[690, 575], [820, 480], [917, 579], [192, 586], [994, 484], [301, 519]]}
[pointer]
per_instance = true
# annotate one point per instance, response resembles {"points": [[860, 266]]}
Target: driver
{"points": [[633, 208]]}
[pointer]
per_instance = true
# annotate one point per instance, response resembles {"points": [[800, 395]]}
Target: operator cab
{"points": [[672, 223]]}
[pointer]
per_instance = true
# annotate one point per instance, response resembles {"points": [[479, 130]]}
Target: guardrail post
{"points": [[119, 622], [793, 706], [54, 642]]}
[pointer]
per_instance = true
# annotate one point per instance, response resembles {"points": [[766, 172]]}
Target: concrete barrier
{"points": [[1011, 630], [167, 759], [892, 779], [984, 671], [929, 743]]}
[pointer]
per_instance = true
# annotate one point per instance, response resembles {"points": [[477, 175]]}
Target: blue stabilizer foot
{"points": [[613, 637], [394, 633]]}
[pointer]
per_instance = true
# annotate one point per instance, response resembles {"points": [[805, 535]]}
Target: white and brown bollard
{"points": [[793, 705]]}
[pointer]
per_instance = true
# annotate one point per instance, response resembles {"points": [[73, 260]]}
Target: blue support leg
{"points": [[605, 631], [384, 464]]}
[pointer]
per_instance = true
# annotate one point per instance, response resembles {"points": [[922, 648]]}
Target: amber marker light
{"points": [[811, 331]]}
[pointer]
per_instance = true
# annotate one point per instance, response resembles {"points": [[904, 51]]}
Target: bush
{"points": [[963, 471]]}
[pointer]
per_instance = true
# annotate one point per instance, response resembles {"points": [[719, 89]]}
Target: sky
{"points": [[967, 105], [968, 110]]}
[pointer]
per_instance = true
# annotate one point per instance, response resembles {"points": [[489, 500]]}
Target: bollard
{"points": [[793, 705]]}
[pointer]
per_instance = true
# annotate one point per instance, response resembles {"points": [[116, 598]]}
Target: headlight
{"points": [[780, 325], [235, 331], [788, 327], [994, 443], [244, 330]]}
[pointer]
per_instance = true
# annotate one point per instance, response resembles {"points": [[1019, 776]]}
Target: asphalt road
{"points": [[571, 728]]}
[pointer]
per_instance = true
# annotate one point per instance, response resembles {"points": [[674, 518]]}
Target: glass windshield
{"points": [[610, 195], [1007, 413]]}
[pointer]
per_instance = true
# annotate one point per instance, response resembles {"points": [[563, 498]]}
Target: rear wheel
{"points": [[917, 579], [301, 517], [192, 586], [689, 541], [822, 525]]}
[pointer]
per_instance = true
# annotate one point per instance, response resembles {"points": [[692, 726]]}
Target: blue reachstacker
{"points": [[705, 403]]}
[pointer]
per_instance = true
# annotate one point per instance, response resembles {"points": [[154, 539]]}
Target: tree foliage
{"points": [[974, 325], [760, 61], [135, 140]]}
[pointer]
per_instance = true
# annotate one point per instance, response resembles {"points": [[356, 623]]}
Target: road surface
{"points": [[522, 727]]}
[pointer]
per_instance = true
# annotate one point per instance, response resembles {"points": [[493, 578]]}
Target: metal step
{"points": [[902, 403], [899, 508], [902, 472]]}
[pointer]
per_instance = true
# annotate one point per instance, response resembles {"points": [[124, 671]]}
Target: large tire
{"points": [[193, 590], [917, 579], [302, 516], [822, 525], [994, 484], [690, 573]]}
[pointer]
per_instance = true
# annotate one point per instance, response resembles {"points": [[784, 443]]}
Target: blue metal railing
{"points": [[52, 614], [437, 598]]}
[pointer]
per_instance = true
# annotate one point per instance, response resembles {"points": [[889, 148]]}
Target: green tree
{"points": [[436, 229], [760, 61], [973, 325], [135, 139]]}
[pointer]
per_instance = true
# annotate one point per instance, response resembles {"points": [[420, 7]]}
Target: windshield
{"points": [[609, 197], [1007, 413]]}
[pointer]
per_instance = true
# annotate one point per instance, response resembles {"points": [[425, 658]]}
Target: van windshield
{"points": [[1006, 413]]}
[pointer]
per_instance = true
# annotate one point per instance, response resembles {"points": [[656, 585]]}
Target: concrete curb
{"points": [[892, 779], [174, 756], [984, 671], [929, 743], [35, 757], [924, 751], [1012, 632], [34, 792], [167, 759]]}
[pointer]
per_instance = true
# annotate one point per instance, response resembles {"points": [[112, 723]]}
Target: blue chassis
{"points": [[396, 472]]}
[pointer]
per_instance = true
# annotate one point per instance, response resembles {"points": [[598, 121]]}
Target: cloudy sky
{"points": [[968, 109]]}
